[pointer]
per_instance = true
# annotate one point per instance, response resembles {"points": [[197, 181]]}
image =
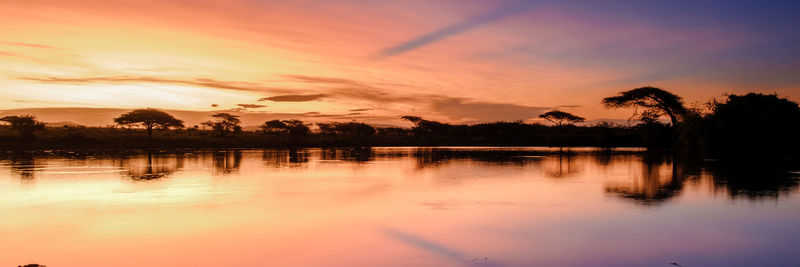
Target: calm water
{"points": [[394, 206]]}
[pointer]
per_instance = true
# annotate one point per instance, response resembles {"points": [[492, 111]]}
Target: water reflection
{"points": [[226, 161], [23, 166], [642, 178], [151, 165], [433, 157], [354, 154], [409, 206], [284, 158], [658, 180], [560, 166], [766, 180]]}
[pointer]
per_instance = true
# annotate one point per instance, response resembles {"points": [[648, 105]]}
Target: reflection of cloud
{"points": [[454, 29], [293, 98], [251, 105], [436, 248], [424, 244]]}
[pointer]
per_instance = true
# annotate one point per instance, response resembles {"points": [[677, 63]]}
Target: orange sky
{"points": [[458, 61]]}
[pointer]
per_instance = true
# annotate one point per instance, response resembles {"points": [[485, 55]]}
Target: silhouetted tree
{"points": [[560, 118], [293, 128], [653, 100], [26, 125], [754, 124], [149, 119], [296, 128], [356, 129], [223, 123], [274, 127], [425, 129]]}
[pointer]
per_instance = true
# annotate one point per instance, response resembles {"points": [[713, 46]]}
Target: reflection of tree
{"points": [[431, 157], [355, 154], [756, 180], [661, 179], [151, 165], [560, 166], [226, 162], [24, 166], [284, 158]]}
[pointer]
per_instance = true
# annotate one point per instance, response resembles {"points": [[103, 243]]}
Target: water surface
{"points": [[394, 207]]}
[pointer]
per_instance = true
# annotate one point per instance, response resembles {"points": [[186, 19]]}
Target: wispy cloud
{"points": [[9, 54], [251, 105], [456, 28], [293, 98], [468, 109], [456, 108], [28, 45], [201, 82]]}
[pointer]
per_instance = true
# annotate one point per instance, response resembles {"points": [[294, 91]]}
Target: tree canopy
{"points": [[223, 123], [560, 118], [346, 128], [294, 128], [655, 101], [755, 124], [149, 118], [25, 125]]}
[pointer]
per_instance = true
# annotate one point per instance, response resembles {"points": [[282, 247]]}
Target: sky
{"points": [[374, 61]]}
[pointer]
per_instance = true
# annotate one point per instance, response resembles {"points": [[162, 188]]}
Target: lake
{"points": [[402, 206]]}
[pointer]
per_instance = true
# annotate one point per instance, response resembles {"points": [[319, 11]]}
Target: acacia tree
{"points": [[294, 128], [653, 100], [346, 128], [149, 118], [273, 127], [560, 118], [223, 123], [25, 125]]}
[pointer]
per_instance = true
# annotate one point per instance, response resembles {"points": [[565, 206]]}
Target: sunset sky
{"points": [[368, 60]]}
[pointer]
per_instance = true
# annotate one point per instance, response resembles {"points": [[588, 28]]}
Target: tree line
{"points": [[750, 123]]}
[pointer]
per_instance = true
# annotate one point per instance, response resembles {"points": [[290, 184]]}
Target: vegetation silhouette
{"points": [[25, 125], [223, 123], [753, 124], [291, 130], [654, 101], [149, 118], [560, 118]]}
